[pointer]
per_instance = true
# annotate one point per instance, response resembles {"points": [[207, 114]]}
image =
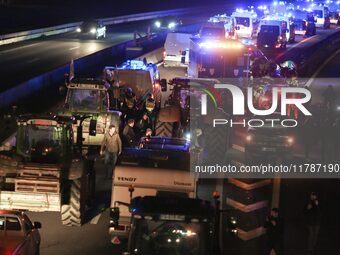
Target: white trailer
{"points": [[176, 49], [148, 172]]}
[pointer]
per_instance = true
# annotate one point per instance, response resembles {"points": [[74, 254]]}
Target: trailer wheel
{"points": [[164, 129], [72, 213]]}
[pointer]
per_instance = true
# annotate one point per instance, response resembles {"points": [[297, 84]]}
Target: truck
{"points": [[210, 30], [156, 208], [176, 49], [148, 171], [90, 97], [228, 22], [45, 171], [173, 225], [218, 59], [141, 77], [246, 22], [322, 17], [275, 32]]}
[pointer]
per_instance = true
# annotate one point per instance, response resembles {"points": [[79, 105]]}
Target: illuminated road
{"points": [[22, 61]]}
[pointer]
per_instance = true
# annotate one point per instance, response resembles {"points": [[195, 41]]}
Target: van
{"points": [[275, 33], [176, 49], [245, 23], [321, 14]]}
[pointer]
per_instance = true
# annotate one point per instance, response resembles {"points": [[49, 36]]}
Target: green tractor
{"points": [[45, 170], [90, 97]]}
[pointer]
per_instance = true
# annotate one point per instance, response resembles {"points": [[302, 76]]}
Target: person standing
{"points": [[112, 147], [312, 210], [274, 226], [144, 124], [129, 133]]}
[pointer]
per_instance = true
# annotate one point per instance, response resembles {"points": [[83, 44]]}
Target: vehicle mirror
{"points": [[37, 225], [237, 27], [80, 136], [114, 216], [93, 127], [163, 84]]}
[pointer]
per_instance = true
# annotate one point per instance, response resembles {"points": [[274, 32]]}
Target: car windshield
{"points": [[9, 223], [82, 100], [274, 30], [89, 24], [243, 21], [169, 238], [42, 140], [212, 32]]}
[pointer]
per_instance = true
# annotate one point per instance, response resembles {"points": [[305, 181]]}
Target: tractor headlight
{"points": [[158, 24], [172, 25]]}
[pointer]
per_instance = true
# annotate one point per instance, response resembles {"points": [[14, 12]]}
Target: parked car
{"points": [[18, 236]]}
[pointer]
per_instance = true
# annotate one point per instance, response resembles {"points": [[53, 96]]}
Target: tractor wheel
{"points": [[164, 129], [73, 212]]}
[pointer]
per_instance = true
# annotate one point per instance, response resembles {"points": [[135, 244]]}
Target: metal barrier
{"points": [[31, 34]]}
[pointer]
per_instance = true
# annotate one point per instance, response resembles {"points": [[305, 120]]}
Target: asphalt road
{"points": [[22, 61]]}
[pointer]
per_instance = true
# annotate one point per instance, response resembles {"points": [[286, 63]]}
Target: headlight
{"points": [[158, 24], [78, 29], [171, 25], [93, 30], [290, 140], [249, 138], [188, 136]]}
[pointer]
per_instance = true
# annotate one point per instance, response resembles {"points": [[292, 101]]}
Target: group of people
{"points": [[275, 227], [112, 143]]}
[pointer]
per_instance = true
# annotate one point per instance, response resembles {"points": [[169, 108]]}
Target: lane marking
{"points": [[20, 47], [74, 48], [33, 60]]}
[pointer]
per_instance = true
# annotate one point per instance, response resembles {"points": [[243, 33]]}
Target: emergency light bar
{"points": [[220, 45]]}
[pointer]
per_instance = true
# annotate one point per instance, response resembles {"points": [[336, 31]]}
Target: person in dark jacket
{"points": [[129, 134], [143, 124], [312, 210], [274, 226], [112, 147]]}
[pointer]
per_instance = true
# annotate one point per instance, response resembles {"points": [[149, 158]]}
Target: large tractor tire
{"points": [[164, 129], [73, 212]]}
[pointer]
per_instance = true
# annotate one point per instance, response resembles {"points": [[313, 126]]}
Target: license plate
{"points": [[268, 149]]}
